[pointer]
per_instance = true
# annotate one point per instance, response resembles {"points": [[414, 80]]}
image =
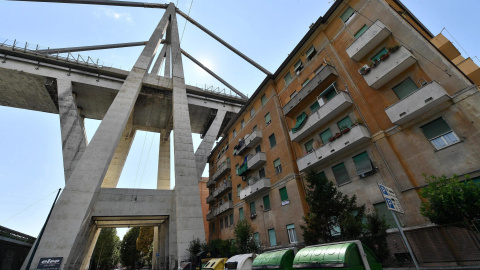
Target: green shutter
{"points": [[276, 163], [273, 238], [256, 237], [267, 118], [361, 31], [309, 145], [242, 169], [266, 202], [379, 54], [345, 123], [405, 88], [347, 14], [329, 93], [383, 211], [272, 140], [435, 128], [327, 134], [314, 107], [290, 226], [231, 219], [305, 82], [283, 194], [341, 174], [252, 208], [264, 99], [240, 213], [362, 163], [297, 65], [301, 119], [288, 79], [310, 52]]}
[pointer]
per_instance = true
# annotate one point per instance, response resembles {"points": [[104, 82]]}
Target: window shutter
{"points": [[283, 194], [345, 123], [361, 31], [362, 163], [267, 118], [290, 226], [264, 98], [321, 175], [405, 88], [256, 236], [273, 238], [305, 82], [272, 140], [231, 219], [347, 14], [383, 211], [327, 134], [276, 163], [266, 202], [310, 51], [309, 145], [341, 174], [380, 53], [435, 128], [314, 107], [240, 213], [252, 208], [288, 79], [297, 65], [329, 92]]}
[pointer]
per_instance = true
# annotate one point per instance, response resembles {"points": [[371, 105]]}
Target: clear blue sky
{"points": [[31, 166]]}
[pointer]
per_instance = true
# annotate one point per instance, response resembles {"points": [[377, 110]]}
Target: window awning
{"points": [[301, 119], [242, 169], [281, 259]]}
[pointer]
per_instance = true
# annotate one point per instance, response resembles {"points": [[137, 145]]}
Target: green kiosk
{"points": [[345, 255], [278, 259]]}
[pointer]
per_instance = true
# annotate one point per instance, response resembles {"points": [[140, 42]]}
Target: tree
{"points": [[128, 249], [244, 241], [375, 235], [450, 200], [194, 247], [104, 254]]}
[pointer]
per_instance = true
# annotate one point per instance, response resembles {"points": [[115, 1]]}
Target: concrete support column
{"points": [[74, 139], [91, 242], [206, 145], [163, 177]]}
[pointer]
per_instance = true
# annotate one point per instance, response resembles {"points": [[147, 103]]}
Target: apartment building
{"points": [[368, 96]]}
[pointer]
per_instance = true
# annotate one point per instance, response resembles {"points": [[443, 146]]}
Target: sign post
{"points": [[394, 206]]}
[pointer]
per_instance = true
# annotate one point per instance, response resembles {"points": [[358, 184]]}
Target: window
{"points": [[252, 112], [234, 132], [298, 66], [305, 82], [310, 53], [226, 222], [273, 238], [253, 211], [268, 119], [221, 223], [292, 95], [377, 56], [254, 128], [439, 133], [264, 100], [321, 175], [362, 164], [277, 165], [272, 140], [347, 15], [341, 174], [326, 135], [361, 31], [284, 196], [309, 146], [258, 149], [288, 79], [314, 107], [335, 230], [345, 123], [382, 210], [230, 196], [242, 124], [236, 168], [266, 203], [327, 94], [292, 235], [256, 237], [239, 188], [231, 219], [240, 213], [405, 88], [261, 173]]}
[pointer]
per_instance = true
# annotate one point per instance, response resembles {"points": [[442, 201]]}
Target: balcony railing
{"points": [[256, 161], [222, 188], [211, 215], [210, 182], [321, 75], [210, 199], [389, 68], [417, 103], [221, 172], [357, 135], [324, 114], [250, 141], [222, 208], [368, 41], [255, 188]]}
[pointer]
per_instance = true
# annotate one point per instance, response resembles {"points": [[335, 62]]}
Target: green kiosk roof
{"points": [[334, 256], [281, 259]]}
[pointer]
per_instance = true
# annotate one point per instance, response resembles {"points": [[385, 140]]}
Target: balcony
{"points": [[357, 135], [257, 187], [210, 182], [210, 199], [321, 75], [222, 188], [389, 68], [250, 141], [223, 208], [368, 41], [211, 215], [220, 172], [324, 114], [256, 161], [417, 103]]}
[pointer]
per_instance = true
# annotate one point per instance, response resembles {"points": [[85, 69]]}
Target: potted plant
{"points": [[345, 130], [331, 139], [394, 48], [362, 71], [338, 135], [384, 57]]}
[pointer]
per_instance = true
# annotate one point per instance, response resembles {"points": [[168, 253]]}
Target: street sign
{"points": [[391, 199], [158, 254], [52, 263]]}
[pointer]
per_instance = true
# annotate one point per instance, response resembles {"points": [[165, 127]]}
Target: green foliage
{"points": [[220, 248], [194, 247], [336, 217], [450, 200], [128, 249], [244, 241], [105, 254], [145, 239]]}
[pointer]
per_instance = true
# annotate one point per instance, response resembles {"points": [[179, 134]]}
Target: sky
{"points": [[31, 166]]}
